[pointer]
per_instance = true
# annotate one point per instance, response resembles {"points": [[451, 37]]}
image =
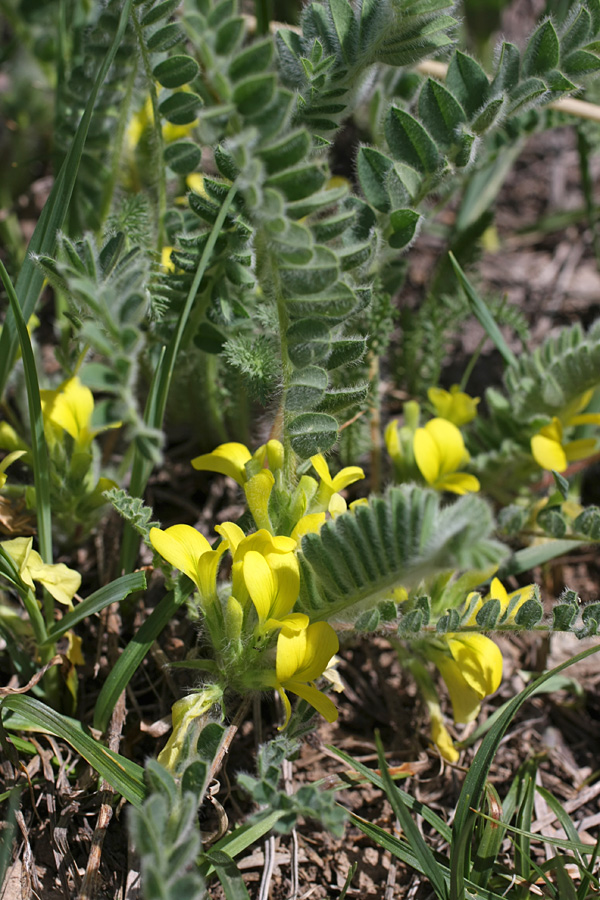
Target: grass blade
{"points": [[124, 776], [133, 655], [114, 592], [474, 784], [428, 864], [30, 280], [483, 314], [229, 875], [41, 473], [530, 557], [242, 838]]}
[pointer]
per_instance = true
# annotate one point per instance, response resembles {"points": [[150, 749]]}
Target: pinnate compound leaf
{"points": [[322, 272], [307, 388], [358, 559], [509, 65], [165, 38], [581, 62], [176, 71], [312, 433], [410, 143], [180, 108], [255, 59], [308, 342], [346, 29], [254, 93]]}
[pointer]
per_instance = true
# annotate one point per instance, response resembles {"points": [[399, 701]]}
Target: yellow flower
{"points": [[258, 492], [8, 461], [165, 259], [400, 441], [548, 446], [453, 405], [439, 452], [330, 486], [60, 581], [273, 593], [278, 551], [226, 459], [302, 656], [195, 182], [439, 733], [189, 715], [472, 669], [70, 408], [189, 551]]}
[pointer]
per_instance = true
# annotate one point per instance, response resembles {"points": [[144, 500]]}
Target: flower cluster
{"points": [[436, 452]]}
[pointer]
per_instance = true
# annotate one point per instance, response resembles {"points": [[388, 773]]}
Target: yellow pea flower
{"points": [[189, 551], [439, 733], [273, 593], [549, 449], [258, 492], [278, 551], [439, 452], [189, 716], [472, 669], [8, 461], [61, 582], [330, 486], [309, 524], [302, 656], [70, 408], [227, 459], [453, 405]]}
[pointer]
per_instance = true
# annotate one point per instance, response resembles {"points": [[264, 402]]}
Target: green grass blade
{"points": [[114, 592], [41, 472], [428, 864], [564, 843], [530, 557], [524, 818], [242, 838], [133, 655], [483, 314], [442, 828], [474, 784], [229, 875], [124, 776], [30, 280], [159, 390]]}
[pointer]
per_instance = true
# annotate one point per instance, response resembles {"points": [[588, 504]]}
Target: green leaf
{"points": [[114, 592], [405, 223], [308, 342], [410, 143], [577, 32], [252, 60], [483, 314], [331, 227], [133, 655], [244, 836], [176, 71], [286, 151], [254, 93], [183, 157], [361, 557], [588, 523], [39, 449], [345, 351], [30, 280], [488, 615], [373, 169], [165, 38], [312, 433], [298, 182], [341, 398], [440, 111], [317, 202], [526, 93], [158, 12], [229, 35], [345, 27], [228, 874], [181, 108], [428, 863], [507, 75], [581, 62], [552, 521], [563, 615], [322, 273], [529, 614], [474, 784], [488, 115], [307, 388], [543, 51], [124, 776], [468, 82]]}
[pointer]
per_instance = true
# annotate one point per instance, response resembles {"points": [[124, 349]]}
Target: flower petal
{"points": [[548, 453], [427, 455], [305, 656], [226, 459], [347, 476], [580, 449], [392, 440], [231, 533], [319, 701], [465, 701], [60, 581], [181, 546], [322, 469], [309, 524], [480, 661], [258, 491], [458, 483], [451, 446], [260, 582]]}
